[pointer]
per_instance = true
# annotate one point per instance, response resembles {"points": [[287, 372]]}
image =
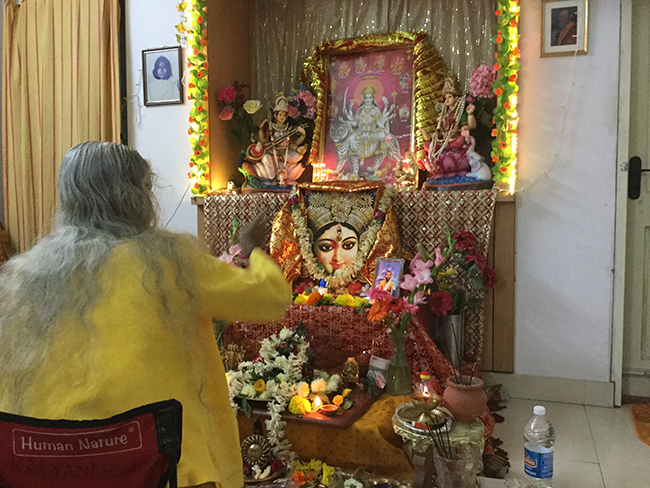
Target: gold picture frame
{"points": [[564, 28], [425, 78]]}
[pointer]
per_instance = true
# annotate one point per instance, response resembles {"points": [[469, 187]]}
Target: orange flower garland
{"points": [[504, 146], [197, 86]]}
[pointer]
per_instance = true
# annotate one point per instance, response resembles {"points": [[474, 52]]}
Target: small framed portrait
{"points": [[388, 275], [161, 72], [564, 27]]}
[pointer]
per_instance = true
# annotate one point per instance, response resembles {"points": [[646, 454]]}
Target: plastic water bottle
{"points": [[539, 438]]}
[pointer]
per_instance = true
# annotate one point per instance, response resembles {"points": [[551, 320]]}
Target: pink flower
{"points": [[423, 276], [439, 258], [228, 258], [418, 265], [481, 81], [411, 308], [227, 94], [292, 111], [409, 283], [419, 298], [226, 113], [377, 295], [235, 250]]}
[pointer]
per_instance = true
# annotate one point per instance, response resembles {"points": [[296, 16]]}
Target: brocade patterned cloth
{"points": [[421, 218]]}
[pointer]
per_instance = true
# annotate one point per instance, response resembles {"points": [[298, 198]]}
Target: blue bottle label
{"points": [[538, 462]]}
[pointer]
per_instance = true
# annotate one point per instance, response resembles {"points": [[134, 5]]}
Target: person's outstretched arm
{"points": [[259, 293]]}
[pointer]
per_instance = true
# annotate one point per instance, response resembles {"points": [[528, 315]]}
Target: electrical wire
{"points": [[179, 204], [556, 154]]}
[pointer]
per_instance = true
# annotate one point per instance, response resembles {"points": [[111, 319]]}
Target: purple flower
{"points": [[409, 307], [379, 214], [481, 81]]}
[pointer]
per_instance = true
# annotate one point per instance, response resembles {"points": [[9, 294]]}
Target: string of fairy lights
{"points": [[192, 33], [506, 88]]}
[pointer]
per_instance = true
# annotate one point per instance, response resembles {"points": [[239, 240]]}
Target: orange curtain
{"points": [[60, 86]]}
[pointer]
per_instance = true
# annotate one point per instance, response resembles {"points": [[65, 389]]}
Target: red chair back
{"points": [[136, 449]]}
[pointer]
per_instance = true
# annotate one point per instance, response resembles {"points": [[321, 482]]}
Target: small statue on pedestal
{"points": [[451, 158], [350, 372], [275, 159]]}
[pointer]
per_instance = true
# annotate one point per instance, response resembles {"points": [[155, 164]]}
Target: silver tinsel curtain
{"points": [[285, 33]]}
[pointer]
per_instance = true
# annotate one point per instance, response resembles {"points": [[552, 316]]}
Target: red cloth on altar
{"points": [[337, 333]]}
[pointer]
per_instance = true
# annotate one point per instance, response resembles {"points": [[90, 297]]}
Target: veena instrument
{"points": [[254, 154]]}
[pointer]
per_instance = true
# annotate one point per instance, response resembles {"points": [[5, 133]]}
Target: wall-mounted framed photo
{"points": [[161, 72], [564, 27], [388, 275]]}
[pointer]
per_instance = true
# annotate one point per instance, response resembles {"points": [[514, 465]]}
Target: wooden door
{"points": [[636, 337]]}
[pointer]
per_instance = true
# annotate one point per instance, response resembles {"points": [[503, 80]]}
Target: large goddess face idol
{"points": [[338, 222], [336, 246]]}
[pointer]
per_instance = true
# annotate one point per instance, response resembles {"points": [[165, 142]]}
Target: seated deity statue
{"points": [[275, 159], [451, 150]]}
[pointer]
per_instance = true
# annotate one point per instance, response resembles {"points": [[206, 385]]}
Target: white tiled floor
{"points": [[595, 447]]}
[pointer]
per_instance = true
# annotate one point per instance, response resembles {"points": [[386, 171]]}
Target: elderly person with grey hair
{"points": [[110, 312]]}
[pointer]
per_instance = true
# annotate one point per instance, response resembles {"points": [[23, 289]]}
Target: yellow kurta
{"points": [[135, 349]]}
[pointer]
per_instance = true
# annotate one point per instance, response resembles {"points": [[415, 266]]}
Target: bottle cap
{"points": [[424, 375], [539, 410]]}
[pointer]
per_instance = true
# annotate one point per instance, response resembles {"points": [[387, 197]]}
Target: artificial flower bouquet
{"points": [[238, 108], [454, 280]]}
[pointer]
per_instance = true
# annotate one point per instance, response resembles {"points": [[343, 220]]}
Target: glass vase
{"points": [[398, 375]]}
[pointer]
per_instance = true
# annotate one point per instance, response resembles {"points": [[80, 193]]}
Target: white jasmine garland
{"points": [[285, 334], [352, 483], [347, 273], [248, 391]]}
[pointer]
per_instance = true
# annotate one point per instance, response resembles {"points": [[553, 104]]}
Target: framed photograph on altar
{"points": [[388, 275], [564, 27], [161, 74], [372, 97]]}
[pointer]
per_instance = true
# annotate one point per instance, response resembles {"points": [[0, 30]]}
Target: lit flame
{"points": [[317, 403]]}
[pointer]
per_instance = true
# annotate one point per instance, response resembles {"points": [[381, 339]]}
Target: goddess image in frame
{"points": [[365, 137]]}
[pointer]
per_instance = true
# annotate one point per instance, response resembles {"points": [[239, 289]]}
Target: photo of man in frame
{"points": [[388, 274], [564, 26]]}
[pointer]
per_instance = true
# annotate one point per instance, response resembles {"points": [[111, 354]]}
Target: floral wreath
{"points": [[348, 272]]}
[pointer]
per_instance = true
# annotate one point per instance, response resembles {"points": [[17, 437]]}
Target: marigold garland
{"points": [[504, 146], [197, 88], [348, 273]]}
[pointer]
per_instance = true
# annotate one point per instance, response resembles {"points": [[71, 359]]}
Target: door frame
{"points": [[620, 232]]}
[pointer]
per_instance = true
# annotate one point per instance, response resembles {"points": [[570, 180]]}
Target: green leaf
{"points": [[246, 407], [347, 403]]}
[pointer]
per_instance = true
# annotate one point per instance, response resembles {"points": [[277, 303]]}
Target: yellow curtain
{"points": [[60, 86]]}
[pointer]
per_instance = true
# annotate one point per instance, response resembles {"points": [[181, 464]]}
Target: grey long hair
{"points": [[106, 198]]}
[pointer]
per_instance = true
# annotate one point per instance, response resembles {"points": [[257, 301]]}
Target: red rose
{"points": [[503, 145], [440, 302], [354, 288], [512, 78], [498, 91], [489, 278], [480, 261], [495, 159], [464, 241], [503, 169], [493, 133]]}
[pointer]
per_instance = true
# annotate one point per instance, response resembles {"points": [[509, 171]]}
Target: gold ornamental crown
{"points": [[449, 86], [369, 89], [355, 209]]}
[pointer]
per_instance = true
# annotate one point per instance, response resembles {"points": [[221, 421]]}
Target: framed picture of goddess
{"points": [[372, 97], [369, 113]]}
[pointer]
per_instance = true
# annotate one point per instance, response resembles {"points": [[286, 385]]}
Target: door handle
{"points": [[634, 178]]}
